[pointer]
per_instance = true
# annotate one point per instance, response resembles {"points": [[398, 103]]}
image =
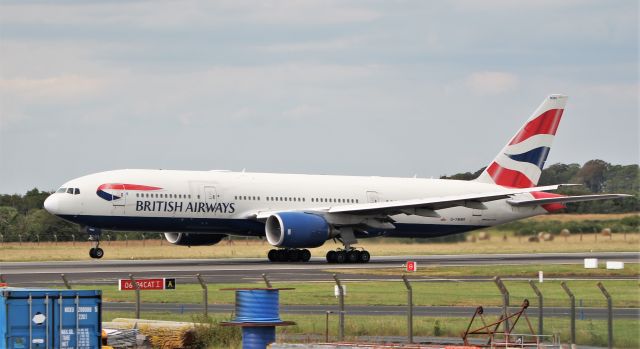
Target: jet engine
{"points": [[297, 230], [191, 239]]}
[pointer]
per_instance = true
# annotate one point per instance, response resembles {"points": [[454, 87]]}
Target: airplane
{"points": [[295, 212]]}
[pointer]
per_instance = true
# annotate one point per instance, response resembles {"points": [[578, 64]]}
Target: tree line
{"points": [[22, 217]]}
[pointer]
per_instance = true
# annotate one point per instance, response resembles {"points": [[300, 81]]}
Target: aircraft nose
{"points": [[51, 204]]}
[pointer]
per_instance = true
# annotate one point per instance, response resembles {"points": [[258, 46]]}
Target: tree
{"points": [[593, 174]]}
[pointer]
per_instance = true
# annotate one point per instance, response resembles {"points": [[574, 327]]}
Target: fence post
{"points": [[573, 311], [66, 282], [540, 307], [409, 308], [609, 313], [505, 303], [326, 327], [137, 288], [341, 303], [266, 280], [205, 295]]}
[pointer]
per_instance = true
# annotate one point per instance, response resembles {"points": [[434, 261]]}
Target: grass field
{"points": [[588, 332], [159, 249], [526, 271]]}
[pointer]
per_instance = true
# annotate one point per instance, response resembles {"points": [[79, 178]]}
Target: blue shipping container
{"points": [[43, 318]]}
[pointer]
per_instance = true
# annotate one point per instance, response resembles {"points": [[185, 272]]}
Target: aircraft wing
{"points": [[564, 199], [423, 207]]}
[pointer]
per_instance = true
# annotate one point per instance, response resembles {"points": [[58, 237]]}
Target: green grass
{"points": [[433, 293], [588, 332], [526, 271]]}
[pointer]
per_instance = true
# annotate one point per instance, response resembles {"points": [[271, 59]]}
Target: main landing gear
{"points": [[94, 235], [349, 254], [289, 255]]}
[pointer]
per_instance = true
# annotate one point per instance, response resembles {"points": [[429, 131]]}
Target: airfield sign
{"points": [[147, 284]]}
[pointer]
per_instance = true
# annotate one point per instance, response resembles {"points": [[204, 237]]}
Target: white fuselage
{"points": [[228, 202]]}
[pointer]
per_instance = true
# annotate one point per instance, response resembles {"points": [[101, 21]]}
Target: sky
{"points": [[385, 88]]}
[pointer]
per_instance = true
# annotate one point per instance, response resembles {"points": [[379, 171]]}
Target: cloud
{"points": [[491, 82], [59, 88]]}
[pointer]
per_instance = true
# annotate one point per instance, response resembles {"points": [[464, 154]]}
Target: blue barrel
{"points": [[43, 318], [258, 337], [257, 306]]}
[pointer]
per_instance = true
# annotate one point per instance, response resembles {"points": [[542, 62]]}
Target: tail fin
{"points": [[520, 162]]}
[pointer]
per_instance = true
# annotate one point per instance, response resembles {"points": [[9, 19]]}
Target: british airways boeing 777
{"points": [[295, 211]]}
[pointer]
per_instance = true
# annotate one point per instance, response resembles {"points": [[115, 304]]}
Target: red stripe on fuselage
{"points": [[508, 178], [122, 186], [549, 207], [546, 123]]}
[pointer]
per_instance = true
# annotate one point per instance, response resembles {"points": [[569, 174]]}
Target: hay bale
{"points": [[547, 237], [606, 232], [533, 239], [565, 232], [540, 235], [164, 334], [483, 235], [471, 238]]}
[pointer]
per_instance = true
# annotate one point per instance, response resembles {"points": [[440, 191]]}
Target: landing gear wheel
{"points": [[272, 255], [293, 255], [353, 256], [305, 255], [98, 253], [364, 256], [92, 253], [331, 257], [341, 257]]}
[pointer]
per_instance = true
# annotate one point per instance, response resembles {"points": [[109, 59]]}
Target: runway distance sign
{"points": [[411, 266], [147, 284]]}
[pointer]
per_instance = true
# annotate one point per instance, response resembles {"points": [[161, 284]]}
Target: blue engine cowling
{"points": [[297, 230]]}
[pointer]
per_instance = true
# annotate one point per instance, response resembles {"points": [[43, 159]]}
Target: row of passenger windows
{"points": [[74, 191], [238, 197], [164, 196], [295, 199]]}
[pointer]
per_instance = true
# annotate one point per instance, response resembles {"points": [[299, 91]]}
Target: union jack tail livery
{"points": [[520, 162]]}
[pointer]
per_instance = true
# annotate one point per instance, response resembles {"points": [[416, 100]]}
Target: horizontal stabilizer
{"points": [[565, 199]]}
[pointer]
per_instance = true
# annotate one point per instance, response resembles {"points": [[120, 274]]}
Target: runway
{"points": [[242, 270]]}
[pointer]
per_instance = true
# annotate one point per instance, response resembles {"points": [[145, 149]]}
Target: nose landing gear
{"points": [[94, 235]]}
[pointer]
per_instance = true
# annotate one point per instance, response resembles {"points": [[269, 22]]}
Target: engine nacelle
{"points": [[191, 239], [297, 230]]}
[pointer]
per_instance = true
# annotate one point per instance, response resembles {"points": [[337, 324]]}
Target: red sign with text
{"points": [[412, 266], [147, 284]]}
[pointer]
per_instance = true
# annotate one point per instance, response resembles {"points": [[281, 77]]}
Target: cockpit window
{"points": [[76, 191], [70, 190], [61, 190]]}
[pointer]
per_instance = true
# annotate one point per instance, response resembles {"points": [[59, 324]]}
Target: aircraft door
{"points": [[373, 196], [210, 194], [118, 195]]}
